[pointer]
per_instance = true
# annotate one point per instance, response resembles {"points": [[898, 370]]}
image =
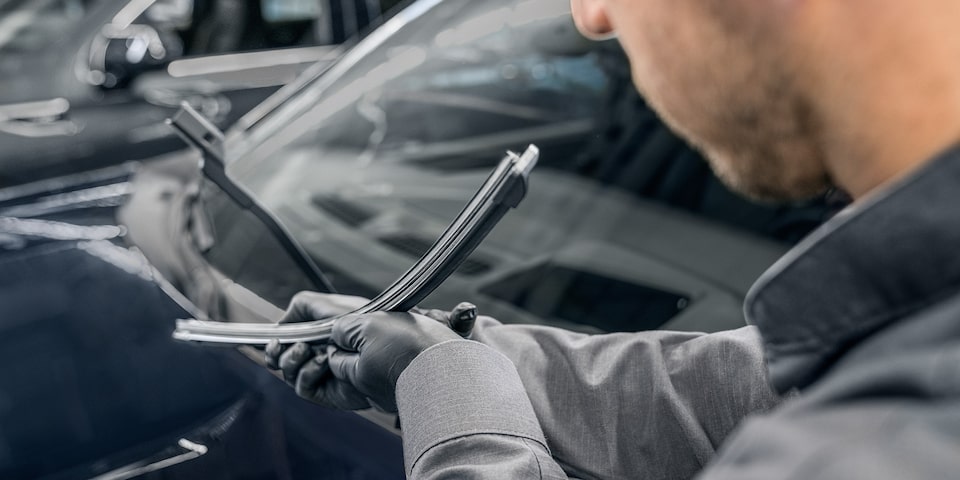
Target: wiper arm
{"points": [[503, 190], [206, 137]]}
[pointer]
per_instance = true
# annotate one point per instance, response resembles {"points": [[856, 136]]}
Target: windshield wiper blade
{"points": [[503, 190], [203, 135]]}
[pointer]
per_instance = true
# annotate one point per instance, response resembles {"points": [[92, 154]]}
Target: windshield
{"points": [[495, 67], [368, 164], [28, 26]]}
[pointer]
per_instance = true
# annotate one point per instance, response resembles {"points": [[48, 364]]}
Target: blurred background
{"points": [[363, 127]]}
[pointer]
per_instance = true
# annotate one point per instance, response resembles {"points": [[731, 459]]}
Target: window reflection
{"points": [[369, 166]]}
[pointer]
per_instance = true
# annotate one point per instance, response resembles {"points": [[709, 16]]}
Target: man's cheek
{"points": [[647, 65]]}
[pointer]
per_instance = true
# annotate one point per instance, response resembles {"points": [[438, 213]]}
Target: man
{"points": [[858, 328]]}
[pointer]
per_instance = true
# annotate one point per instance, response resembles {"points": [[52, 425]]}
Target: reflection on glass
{"points": [[241, 248], [368, 165], [488, 73], [29, 26], [562, 293]]}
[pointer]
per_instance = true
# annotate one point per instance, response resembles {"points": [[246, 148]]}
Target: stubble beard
{"points": [[763, 142]]}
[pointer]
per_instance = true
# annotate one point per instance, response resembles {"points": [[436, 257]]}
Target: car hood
{"points": [[140, 205], [78, 207], [85, 199]]}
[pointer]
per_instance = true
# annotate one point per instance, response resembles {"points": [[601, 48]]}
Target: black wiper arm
{"points": [[503, 190], [200, 133]]}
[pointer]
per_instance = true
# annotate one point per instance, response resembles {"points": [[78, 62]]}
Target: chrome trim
{"points": [[102, 196], [211, 64], [191, 451], [55, 107], [130, 12]]}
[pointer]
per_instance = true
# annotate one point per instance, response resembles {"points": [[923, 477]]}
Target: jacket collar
{"points": [[873, 264]]}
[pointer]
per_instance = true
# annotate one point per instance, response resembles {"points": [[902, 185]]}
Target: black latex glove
{"points": [[366, 354]]}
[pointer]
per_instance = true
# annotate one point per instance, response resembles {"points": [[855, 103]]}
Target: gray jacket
{"points": [[862, 320]]}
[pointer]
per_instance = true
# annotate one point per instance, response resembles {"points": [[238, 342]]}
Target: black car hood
{"points": [[94, 380], [86, 199], [141, 205], [78, 207]]}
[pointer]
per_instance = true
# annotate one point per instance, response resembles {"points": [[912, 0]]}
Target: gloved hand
{"points": [[367, 353]]}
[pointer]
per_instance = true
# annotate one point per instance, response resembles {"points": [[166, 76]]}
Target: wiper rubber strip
{"points": [[504, 189]]}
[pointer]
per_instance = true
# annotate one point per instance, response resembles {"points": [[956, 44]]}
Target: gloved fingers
{"points": [[294, 358], [311, 375], [310, 306], [433, 313], [272, 354], [461, 319], [319, 382], [315, 383], [343, 365], [347, 332]]}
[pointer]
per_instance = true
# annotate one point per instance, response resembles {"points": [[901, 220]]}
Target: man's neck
{"points": [[890, 100], [864, 161]]}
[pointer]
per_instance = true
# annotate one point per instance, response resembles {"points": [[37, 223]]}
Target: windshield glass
{"points": [[495, 67], [31, 25], [624, 227]]}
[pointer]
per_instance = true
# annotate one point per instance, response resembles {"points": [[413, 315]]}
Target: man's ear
{"points": [[591, 18]]}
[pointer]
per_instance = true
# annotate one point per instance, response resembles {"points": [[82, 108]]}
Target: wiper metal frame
{"points": [[504, 189], [203, 135]]}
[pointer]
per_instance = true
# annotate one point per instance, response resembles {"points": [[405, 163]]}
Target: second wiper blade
{"points": [[503, 190]]}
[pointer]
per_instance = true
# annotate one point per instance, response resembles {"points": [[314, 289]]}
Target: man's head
{"points": [[714, 71], [771, 90]]}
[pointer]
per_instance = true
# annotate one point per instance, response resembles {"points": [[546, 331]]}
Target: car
{"points": [[89, 82], [624, 228]]}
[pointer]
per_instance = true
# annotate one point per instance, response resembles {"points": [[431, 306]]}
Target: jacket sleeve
{"points": [[889, 409], [651, 405], [464, 414]]}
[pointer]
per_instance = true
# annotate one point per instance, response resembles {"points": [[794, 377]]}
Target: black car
{"points": [[624, 228], [87, 83]]}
